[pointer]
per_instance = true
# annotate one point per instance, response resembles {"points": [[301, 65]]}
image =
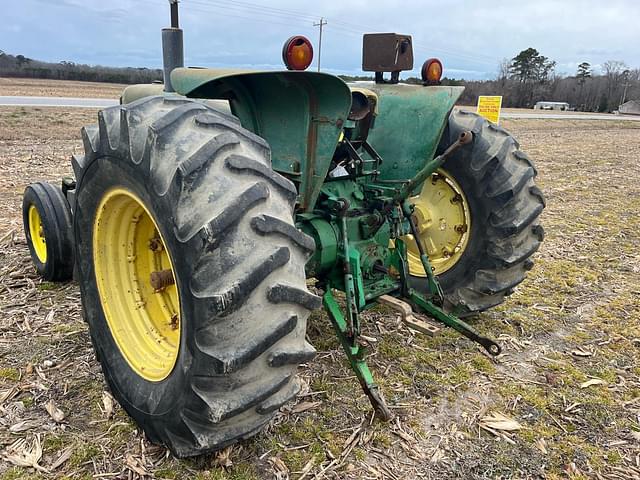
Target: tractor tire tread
{"points": [[507, 229], [231, 215]]}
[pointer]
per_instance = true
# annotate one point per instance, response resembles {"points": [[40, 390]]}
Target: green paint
{"points": [[325, 234], [355, 353], [410, 122], [356, 221], [300, 115]]}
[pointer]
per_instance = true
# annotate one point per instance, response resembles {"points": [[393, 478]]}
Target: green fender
{"points": [[300, 115], [409, 124]]}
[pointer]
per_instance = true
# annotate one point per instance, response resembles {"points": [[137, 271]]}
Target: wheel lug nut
{"points": [[161, 279], [155, 245]]}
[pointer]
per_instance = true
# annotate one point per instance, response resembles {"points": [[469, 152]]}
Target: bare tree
{"points": [[614, 72], [504, 70], [613, 67]]}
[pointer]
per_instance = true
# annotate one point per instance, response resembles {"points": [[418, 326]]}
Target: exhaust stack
{"points": [[172, 47]]}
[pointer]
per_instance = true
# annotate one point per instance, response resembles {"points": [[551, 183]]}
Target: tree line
{"points": [[24, 67], [522, 81], [530, 77]]}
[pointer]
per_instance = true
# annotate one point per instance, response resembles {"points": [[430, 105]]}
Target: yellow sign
{"points": [[489, 107]]}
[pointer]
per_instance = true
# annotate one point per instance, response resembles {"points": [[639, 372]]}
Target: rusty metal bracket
{"points": [[408, 316]]}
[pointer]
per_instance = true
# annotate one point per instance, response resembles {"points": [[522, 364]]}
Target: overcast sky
{"points": [[470, 37]]}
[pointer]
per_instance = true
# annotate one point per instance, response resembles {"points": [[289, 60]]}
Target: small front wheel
{"points": [[47, 227]]}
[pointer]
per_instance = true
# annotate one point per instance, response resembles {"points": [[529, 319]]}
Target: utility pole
{"points": [[320, 24], [624, 93], [626, 84]]}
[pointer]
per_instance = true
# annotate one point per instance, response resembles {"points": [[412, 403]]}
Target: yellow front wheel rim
{"points": [[143, 315], [36, 232], [443, 219]]}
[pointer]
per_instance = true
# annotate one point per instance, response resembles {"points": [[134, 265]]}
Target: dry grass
{"points": [[58, 88], [575, 319]]}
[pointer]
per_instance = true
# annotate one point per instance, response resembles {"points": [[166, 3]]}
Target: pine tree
{"points": [[584, 72]]}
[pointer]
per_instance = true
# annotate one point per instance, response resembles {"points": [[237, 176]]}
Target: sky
{"points": [[470, 37]]}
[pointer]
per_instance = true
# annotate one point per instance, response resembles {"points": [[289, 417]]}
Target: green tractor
{"points": [[203, 211]]}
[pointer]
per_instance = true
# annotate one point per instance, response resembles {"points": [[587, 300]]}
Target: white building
{"points": [[632, 107], [551, 106]]}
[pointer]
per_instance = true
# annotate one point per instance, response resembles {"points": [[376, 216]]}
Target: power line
{"points": [[286, 17], [257, 17], [350, 27], [487, 60], [224, 7], [277, 16], [240, 12], [254, 6]]}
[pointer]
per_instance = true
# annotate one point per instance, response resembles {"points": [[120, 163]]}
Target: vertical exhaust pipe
{"points": [[172, 47]]}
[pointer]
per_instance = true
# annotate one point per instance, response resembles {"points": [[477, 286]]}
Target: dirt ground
{"points": [[58, 88], [562, 401]]}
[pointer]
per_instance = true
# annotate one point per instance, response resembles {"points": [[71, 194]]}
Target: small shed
{"points": [[632, 107], [551, 106]]}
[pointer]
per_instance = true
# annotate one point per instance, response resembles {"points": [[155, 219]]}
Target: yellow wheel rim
{"points": [[143, 315], [36, 231], [444, 221]]}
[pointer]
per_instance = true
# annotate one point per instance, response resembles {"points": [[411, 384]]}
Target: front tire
{"points": [[497, 181], [47, 227], [225, 220]]}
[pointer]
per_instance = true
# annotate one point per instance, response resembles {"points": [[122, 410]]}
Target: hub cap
{"points": [[444, 221], [135, 280], [36, 231]]}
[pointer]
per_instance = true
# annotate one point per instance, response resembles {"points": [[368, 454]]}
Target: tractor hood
{"points": [[300, 115]]}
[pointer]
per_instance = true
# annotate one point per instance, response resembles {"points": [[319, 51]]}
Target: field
{"points": [[563, 401], [58, 88]]}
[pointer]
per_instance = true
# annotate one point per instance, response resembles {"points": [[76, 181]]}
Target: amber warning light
{"points": [[432, 71], [297, 53]]}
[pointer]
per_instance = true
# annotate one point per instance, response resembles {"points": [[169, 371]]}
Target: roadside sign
{"points": [[489, 107]]}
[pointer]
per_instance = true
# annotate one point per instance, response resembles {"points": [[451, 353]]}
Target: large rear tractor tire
{"points": [[478, 217], [191, 271]]}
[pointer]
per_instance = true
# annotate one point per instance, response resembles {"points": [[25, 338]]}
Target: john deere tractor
{"points": [[210, 215]]}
